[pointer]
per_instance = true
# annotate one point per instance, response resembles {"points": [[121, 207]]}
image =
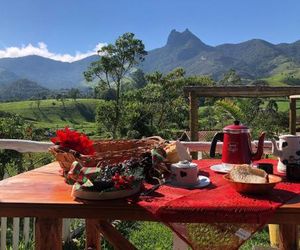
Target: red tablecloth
{"points": [[217, 204]]}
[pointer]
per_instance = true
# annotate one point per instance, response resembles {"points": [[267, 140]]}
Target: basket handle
{"points": [[156, 138]]}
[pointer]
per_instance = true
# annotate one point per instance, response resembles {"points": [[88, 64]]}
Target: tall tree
{"points": [[231, 78], [161, 106], [116, 61], [74, 93], [138, 78]]}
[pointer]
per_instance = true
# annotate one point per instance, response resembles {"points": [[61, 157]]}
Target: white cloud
{"points": [[42, 50]]}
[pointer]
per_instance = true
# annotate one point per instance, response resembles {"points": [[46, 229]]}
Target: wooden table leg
{"points": [[288, 237], [93, 239], [48, 234], [115, 238]]}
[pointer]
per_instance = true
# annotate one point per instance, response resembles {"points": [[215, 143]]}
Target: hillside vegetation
{"points": [[285, 78], [53, 114], [22, 89]]}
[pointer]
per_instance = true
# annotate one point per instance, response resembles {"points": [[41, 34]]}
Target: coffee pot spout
{"points": [[275, 150], [260, 148]]}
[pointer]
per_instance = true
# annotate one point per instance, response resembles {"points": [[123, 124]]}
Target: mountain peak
{"points": [[179, 39]]}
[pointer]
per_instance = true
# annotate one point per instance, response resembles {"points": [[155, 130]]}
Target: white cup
{"points": [[184, 173]]}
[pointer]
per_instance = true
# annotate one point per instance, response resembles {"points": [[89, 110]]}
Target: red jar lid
{"points": [[236, 128]]}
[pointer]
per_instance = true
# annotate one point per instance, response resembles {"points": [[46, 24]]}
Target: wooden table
{"points": [[42, 193]]}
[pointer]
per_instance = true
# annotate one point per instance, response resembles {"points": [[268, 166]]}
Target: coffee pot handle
{"points": [[217, 137]]}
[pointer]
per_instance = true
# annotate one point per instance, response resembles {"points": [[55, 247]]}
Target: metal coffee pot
{"points": [[237, 145]]}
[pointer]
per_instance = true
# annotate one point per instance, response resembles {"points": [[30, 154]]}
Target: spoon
{"points": [[155, 187]]}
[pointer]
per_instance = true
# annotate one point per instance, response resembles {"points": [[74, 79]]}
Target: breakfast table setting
{"points": [[209, 203], [228, 199]]}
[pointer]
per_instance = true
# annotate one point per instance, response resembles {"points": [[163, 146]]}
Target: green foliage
{"points": [[253, 113], [79, 115], [230, 78], [260, 238], [259, 82], [291, 79], [114, 64], [151, 235], [209, 119], [74, 93], [22, 89], [138, 77], [105, 116], [229, 108], [159, 107], [11, 127], [163, 100], [138, 120], [284, 76]]}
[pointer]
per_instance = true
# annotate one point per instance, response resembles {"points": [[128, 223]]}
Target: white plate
{"points": [[203, 181], [221, 168], [96, 195]]}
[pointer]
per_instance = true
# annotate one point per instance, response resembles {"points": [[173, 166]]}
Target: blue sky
{"points": [[65, 28]]}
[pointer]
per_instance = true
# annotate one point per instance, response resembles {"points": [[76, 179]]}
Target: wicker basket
{"points": [[107, 152]]}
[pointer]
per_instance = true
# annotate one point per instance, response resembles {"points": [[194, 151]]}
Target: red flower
{"points": [[73, 140], [122, 181]]}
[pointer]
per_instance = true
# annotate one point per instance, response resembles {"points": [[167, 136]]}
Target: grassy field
{"points": [[281, 74], [283, 105], [79, 114], [50, 113], [152, 235]]}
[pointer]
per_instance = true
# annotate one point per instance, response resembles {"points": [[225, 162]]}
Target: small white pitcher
{"points": [[288, 151]]}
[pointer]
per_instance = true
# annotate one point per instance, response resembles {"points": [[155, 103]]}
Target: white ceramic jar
{"points": [[184, 173], [287, 151]]}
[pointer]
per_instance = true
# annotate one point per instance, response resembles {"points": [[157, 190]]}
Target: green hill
{"points": [[46, 72], [251, 59], [286, 74], [22, 89], [51, 113]]}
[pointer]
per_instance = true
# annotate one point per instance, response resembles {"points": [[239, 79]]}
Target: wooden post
{"points": [[194, 120], [288, 237], [16, 232], [48, 234], [92, 234], [292, 116]]}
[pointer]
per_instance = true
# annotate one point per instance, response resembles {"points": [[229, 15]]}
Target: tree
{"points": [[116, 61], [163, 91], [253, 113], [138, 78], [231, 78], [104, 116], [61, 97], [161, 106], [38, 103], [74, 93], [11, 127], [260, 82]]}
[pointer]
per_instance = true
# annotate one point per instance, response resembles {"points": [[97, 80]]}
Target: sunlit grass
{"points": [[54, 114]]}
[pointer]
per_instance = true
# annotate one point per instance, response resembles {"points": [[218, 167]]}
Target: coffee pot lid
{"points": [[184, 164], [237, 128]]}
